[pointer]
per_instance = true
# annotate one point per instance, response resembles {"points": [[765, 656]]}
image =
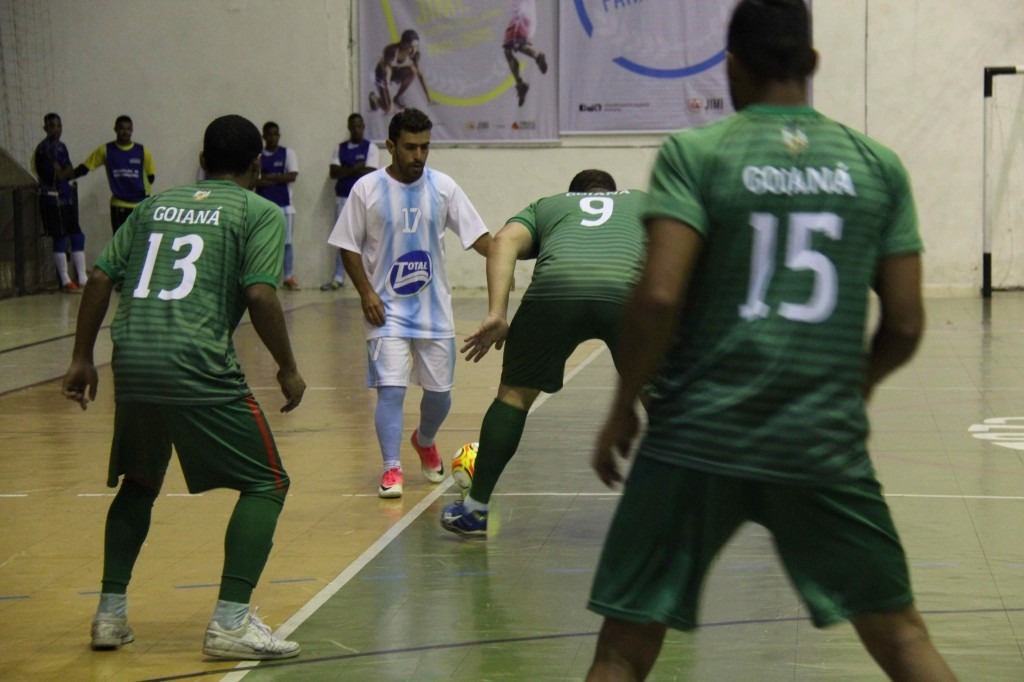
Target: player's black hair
{"points": [[409, 35], [268, 125], [592, 179], [123, 118], [409, 120], [230, 145], [354, 116], [49, 117], [772, 38]]}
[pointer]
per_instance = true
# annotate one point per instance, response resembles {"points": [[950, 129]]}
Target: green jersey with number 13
{"points": [[185, 257]]}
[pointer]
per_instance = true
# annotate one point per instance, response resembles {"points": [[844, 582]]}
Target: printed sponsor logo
{"points": [[410, 273], [590, 107], [706, 103]]}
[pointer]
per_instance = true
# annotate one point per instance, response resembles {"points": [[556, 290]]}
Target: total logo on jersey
{"points": [[410, 273]]}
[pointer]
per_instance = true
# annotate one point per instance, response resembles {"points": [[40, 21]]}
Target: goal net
{"points": [[1003, 184]]}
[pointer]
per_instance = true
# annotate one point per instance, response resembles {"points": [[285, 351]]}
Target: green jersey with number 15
{"points": [[185, 257], [765, 378]]}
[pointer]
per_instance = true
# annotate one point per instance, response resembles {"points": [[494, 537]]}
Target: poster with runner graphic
{"points": [[483, 70], [631, 66]]}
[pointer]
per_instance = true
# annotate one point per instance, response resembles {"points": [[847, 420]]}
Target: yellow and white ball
{"points": [[464, 464]]}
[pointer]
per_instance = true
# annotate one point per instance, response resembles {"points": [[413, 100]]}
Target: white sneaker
{"points": [[251, 642], [110, 632]]}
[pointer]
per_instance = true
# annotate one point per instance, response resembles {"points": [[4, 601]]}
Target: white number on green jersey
{"points": [[799, 256], [186, 264], [412, 219], [596, 206]]}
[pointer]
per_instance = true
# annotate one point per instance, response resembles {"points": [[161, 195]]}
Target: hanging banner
{"points": [[634, 66], [483, 70]]}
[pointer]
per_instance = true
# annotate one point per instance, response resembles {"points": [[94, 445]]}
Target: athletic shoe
{"points": [[110, 632], [542, 63], [374, 102], [291, 285], [399, 102], [456, 518], [521, 89], [251, 642], [71, 288], [333, 285], [391, 483], [430, 460]]}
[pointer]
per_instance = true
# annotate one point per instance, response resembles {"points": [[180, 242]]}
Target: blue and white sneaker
{"points": [[457, 519]]}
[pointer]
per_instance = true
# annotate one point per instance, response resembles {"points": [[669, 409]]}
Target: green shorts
{"points": [[544, 333], [218, 446], [837, 543]]}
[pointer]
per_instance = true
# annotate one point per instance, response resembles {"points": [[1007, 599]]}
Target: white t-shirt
{"points": [[399, 230]]}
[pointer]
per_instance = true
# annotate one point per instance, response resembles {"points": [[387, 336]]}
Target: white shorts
{"points": [[429, 363]]}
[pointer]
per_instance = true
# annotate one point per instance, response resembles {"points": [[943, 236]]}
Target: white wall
{"points": [[908, 72]]}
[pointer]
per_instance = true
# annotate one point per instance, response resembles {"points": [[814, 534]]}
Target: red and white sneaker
{"points": [[391, 483], [430, 460]]}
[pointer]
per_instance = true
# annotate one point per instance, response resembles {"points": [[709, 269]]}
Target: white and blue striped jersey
{"points": [[398, 229]]}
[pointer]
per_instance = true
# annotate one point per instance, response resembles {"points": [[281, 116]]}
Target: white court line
{"points": [[613, 493], [332, 588], [959, 497]]}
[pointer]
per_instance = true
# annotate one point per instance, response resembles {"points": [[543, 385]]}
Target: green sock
{"points": [[126, 529], [500, 434], [247, 543]]}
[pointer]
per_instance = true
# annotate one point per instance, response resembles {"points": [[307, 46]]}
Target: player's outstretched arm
{"points": [[646, 332], [268, 320], [80, 381], [512, 242]]}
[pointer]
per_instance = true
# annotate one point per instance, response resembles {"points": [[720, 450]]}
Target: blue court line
{"points": [[293, 580], [14, 597], [513, 640]]}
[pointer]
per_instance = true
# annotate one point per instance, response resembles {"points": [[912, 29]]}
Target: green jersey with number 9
{"points": [[185, 257], [588, 245], [765, 378]]}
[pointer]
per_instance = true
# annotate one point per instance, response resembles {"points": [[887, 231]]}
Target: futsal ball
{"points": [[464, 464]]}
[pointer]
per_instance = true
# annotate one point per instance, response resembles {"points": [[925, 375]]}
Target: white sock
{"points": [[79, 258], [61, 261], [473, 506], [230, 615], [113, 605]]}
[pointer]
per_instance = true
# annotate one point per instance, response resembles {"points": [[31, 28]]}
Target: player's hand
{"points": [[80, 383], [491, 332], [614, 443], [373, 309], [292, 386]]}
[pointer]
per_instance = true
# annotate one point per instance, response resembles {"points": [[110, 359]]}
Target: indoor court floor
{"points": [[375, 590]]}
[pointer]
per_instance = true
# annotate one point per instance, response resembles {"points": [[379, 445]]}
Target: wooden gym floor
{"points": [[376, 590]]}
